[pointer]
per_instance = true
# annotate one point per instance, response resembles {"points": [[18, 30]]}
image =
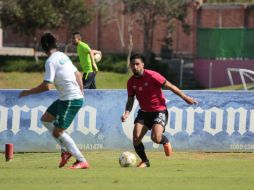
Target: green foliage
{"points": [[162, 68], [113, 63], [110, 62], [75, 13], [229, 1], [21, 64], [117, 67], [26, 16], [147, 13]]}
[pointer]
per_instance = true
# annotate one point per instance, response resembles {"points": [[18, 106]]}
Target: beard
{"points": [[138, 73]]}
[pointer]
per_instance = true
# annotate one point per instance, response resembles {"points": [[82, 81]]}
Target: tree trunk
{"points": [[147, 39], [130, 45], [35, 48], [120, 26], [67, 41]]}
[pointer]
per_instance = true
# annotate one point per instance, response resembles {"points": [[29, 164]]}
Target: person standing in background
{"points": [[87, 61]]}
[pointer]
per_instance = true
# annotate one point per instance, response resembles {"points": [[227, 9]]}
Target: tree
{"points": [[113, 11], [27, 16], [75, 14], [178, 12], [146, 14], [228, 1]]}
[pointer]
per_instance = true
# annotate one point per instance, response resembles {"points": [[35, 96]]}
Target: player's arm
{"points": [[96, 51], [91, 53], [44, 86], [128, 108], [79, 80], [178, 92]]}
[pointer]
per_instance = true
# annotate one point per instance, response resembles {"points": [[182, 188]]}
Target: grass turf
{"points": [[16, 80], [181, 171]]}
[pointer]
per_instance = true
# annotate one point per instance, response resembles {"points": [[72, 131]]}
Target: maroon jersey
{"points": [[147, 89]]}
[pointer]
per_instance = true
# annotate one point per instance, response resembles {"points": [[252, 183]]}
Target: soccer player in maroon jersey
{"points": [[147, 85]]}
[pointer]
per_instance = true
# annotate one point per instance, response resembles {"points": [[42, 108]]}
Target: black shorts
{"points": [[89, 80], [151, 118]]}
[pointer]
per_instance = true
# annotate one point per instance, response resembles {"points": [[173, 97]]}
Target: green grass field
{"points": [[199, 171], [104, 80], [16, 80]]}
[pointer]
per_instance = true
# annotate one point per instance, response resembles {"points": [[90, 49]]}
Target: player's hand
{"points": [[125, 116], [82, 91], [190, 100], [24, 93]]}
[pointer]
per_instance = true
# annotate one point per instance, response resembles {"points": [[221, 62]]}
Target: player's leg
{"points": [[139, 131], [157, 134], [47, 119], [67, 110], [159, 122], [92, 79], [71, 147], [89, 80], [84, 80], [158, 137]]}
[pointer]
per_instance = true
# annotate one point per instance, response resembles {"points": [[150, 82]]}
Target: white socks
{"points": [[66, 142], [50, 127], [72, 148]]}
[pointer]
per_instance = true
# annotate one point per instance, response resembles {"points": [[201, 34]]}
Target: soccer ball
{"points": [[127, 159], [97, 57]]}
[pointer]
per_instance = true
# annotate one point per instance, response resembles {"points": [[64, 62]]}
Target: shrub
{"points": [[112, 63], [21, 64], [162, 68]]}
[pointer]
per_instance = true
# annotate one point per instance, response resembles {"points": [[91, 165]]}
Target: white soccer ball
{"points": [[97, 57], [127, 159]]}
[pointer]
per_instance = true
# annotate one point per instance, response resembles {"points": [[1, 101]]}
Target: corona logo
{"points": [[34, 120], [213, 121]]}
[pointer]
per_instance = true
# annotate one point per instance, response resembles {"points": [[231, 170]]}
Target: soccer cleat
{"points": [[143, 164], [65, 156], [168, 149], [79, 165]]}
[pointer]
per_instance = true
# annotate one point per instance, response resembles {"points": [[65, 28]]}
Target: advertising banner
{"points": [[221, 121]]}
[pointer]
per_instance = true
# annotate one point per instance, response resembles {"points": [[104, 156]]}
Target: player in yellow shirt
{"points": [[87, 61]]}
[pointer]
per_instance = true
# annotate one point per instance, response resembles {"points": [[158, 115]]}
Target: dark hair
{"points": [[74, 33], [48, 42], [137, 56]]}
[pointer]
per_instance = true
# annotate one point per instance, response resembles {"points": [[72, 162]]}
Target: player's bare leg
{"points": [[158, 137], [68, 146], [139, 132], [72, 148], [47, 120]]}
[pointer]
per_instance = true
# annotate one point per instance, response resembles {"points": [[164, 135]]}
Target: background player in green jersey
{"points": [[87, 61]]}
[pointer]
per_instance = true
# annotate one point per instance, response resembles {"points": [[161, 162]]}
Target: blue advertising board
{"points": [[221, 121]]}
